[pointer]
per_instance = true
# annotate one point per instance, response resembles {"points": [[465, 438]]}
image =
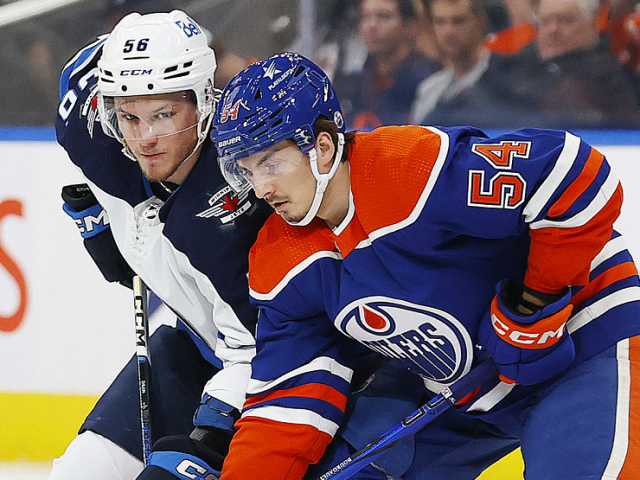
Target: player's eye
{"points": [[246, 173], [128, 117], [271, 168], [164, 115]]}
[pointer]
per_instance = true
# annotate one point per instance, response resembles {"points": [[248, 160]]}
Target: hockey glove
{"points": [[181, 457], [528, 349], [199, 455], [93, 223]]}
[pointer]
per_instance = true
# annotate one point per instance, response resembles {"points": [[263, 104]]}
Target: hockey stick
{"points": [[141, 309], [483, 372]]}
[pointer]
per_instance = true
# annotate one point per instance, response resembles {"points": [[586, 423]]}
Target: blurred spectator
{"points": [[623, 28], [459, 28], [519, 33], [342, 52], [228, 63], [571, 73], [567, 78], [382, 92]]}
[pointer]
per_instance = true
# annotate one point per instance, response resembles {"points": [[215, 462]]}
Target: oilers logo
{"points": [[431, 342]]}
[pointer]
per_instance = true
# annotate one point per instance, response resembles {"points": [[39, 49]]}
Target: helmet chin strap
{"points": [[322, 181]]}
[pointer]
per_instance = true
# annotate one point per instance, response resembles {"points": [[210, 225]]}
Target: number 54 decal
{"points": [[505, 189]]}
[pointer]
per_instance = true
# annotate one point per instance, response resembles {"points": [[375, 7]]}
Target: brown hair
{"points": [[323, 124]]}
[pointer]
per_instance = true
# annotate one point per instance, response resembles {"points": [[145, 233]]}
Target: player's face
{"points": [[458, 31], [282, 176], [161, 132], [563, 27]]}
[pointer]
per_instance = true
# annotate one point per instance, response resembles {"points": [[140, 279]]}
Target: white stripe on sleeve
{"points": [[295, 416], [564, 163], [321, 363]]}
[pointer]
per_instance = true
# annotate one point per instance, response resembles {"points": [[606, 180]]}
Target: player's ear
{"points": [[325, 149]]}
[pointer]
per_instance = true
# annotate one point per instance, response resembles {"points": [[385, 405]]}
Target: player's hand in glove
{"points": [[93, 223], [199, 455], [528, 348], [182, 457]]}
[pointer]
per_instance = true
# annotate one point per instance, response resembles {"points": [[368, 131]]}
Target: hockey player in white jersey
{"points": [[134, 117]]}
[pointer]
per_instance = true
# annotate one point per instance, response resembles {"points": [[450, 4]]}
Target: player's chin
{"points": [[290, 217], [154, 173]]}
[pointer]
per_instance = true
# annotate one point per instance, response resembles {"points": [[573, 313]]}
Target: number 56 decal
{"points": [[505, 189]]}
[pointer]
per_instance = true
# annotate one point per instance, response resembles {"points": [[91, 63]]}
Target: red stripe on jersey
{"points": [[631, 468], [311, 390], [579, 185], [559, 257], [269, 450], [602, 281]]}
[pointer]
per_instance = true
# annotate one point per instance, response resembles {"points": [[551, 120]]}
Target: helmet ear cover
{"points": [[155, 54]]}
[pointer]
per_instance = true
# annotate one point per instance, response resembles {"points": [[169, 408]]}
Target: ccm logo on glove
{"points": [[541, 334], [192, 470]]}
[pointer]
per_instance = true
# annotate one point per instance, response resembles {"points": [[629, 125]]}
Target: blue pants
{"points": [[580, 426]]}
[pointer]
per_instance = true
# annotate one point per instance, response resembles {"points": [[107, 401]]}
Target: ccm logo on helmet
{"points": [[136, 72], [532, 339]]}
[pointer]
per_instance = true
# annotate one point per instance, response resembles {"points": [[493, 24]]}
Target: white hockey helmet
{"points": [[153, 54]]}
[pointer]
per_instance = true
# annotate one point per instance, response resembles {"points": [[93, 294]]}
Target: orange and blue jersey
{"points": [[437, 218]]}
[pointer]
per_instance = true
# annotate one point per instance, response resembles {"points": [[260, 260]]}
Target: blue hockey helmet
{"points": [[270, 101]]}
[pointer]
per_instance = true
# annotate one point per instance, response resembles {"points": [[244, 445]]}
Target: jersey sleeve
{"points": [[303, 368], [77, 80], [549, 185], [296, 399], [570, 217]]}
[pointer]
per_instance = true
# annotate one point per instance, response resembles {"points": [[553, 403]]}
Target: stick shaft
{"points": [[414, 422], [141, 310]]}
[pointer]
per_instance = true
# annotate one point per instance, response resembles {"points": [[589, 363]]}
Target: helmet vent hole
{"points": [[188, 64], [150, 86], [299, 70], [124, 88], [177, 75], [258, 95], [171, 69]]}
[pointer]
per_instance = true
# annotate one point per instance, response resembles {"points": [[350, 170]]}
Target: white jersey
{"points": [[189, 247]]}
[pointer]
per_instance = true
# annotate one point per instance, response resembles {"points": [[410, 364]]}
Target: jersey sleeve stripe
{"points": [[321, 363], [609, 188], [608, 277], [292, 274], [314, 391], [612, 248], [84, 56], [491, 398], [593, 311], [579, 185], [295, 416], [548, 188]]}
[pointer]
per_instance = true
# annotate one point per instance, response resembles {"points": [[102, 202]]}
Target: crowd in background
{"points": [[489, 63]]}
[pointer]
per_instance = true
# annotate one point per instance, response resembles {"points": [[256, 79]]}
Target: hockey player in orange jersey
{"points": [[432, 246]]}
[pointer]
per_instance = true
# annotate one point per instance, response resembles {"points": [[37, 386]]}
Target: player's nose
{"points": [[263, 189]]}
